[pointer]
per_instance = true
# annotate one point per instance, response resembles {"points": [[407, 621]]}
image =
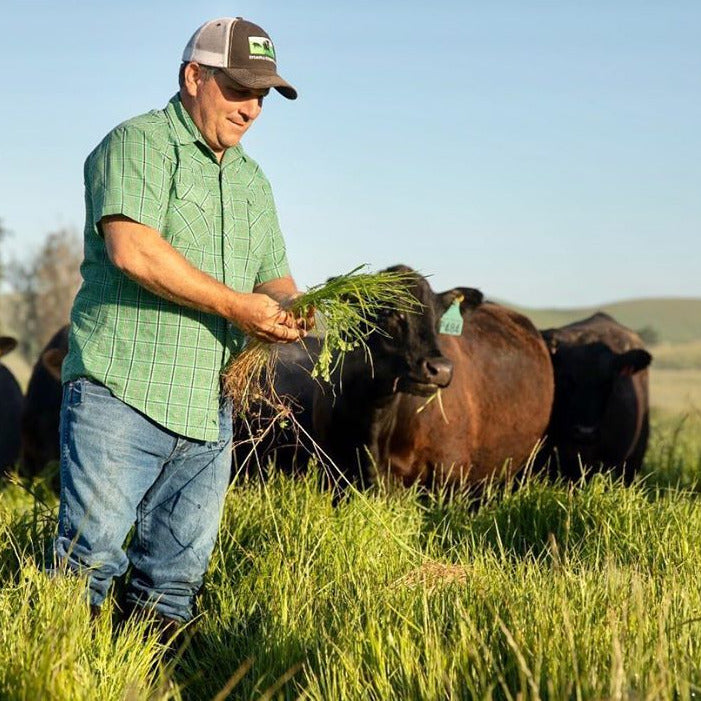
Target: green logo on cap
{"points": [[261, 46]]}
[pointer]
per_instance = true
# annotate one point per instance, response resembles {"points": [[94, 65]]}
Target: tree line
{"points": [[37, 291]]}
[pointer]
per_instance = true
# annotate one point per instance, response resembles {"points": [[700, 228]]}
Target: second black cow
{"points": [[600, 418]]}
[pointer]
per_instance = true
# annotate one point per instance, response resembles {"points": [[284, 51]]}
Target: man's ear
{"points": [[632, 361], [469, 297], [7, 343], [191, 78]]}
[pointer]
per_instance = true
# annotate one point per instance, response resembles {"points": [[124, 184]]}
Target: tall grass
{"points": [[674, 452], [49, 646], [547, 591]]}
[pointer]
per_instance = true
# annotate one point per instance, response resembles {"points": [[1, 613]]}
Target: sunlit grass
{"points": [[547, 591]]}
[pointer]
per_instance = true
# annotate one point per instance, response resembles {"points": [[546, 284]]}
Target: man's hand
{"points": [[263, 318], [284, 291], [306, 321]]}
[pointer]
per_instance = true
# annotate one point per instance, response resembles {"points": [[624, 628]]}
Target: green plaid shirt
{"points": [[161, 358]]}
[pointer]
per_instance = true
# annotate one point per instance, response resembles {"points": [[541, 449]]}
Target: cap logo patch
{"points": [[261, 46]]}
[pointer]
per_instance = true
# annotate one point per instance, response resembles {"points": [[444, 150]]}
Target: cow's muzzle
{"points": [[437, 371], [433, 373], [585, 434]]}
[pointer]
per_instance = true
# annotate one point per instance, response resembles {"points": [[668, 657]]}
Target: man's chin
{"points": [[234, 135]]}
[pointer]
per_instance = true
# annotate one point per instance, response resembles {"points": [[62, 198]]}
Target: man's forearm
{"points": [[142, 254]]}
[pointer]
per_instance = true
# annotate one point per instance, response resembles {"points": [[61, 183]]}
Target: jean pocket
{"points": [[226, 428], [73, 392], [90, 388], [76, 392]]}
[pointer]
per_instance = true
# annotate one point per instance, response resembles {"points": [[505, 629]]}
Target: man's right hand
{"points": [[263, 318]]}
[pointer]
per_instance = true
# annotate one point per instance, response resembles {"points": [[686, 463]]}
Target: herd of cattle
{"points": [[422, 406]]}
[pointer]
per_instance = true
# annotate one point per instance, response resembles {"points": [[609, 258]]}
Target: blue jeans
{"points": [[120, 469]]}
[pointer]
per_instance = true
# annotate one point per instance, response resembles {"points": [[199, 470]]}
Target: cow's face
{"points": [[7, 343], [404, 351], [584, 378]]}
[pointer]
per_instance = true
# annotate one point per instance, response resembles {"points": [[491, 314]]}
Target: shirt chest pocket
{"points": [[189, 187], [258, 230], [191, 208]]}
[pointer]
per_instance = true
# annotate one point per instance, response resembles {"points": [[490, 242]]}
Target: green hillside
{"points": [[675, 320]]}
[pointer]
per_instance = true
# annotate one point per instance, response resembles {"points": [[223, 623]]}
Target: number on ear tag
{"points": [[451, 321]]}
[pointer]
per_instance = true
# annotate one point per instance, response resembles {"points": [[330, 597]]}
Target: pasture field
{"points": [[675, 391], [678, 356], [546, 591]]}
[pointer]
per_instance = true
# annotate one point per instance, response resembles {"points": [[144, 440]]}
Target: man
{"points": [[183, 256]]}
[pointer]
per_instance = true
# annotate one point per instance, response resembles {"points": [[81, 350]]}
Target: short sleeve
{"points": [[274, 262], [129, 174]]}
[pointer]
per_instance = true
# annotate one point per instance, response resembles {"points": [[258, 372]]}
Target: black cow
{"points": [[385, 417], [10, 408], [600, 417], [42, 407]]}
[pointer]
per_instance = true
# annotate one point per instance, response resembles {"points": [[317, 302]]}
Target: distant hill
{"points": [[674, 320]]}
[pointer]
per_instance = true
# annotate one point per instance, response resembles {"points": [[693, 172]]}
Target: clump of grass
{"points": [[346, 306]]}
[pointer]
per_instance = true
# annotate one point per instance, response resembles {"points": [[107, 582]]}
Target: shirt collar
{"points": [[186, 131]]}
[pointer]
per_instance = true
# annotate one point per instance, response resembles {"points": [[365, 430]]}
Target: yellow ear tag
{"points": [[451, 321]]}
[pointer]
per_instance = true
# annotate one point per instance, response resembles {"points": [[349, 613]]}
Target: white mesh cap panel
{"points": [[209, 45]]}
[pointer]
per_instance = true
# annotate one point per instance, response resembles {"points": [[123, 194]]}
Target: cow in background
{"points": [[600, 418], [438, 409], [10, 409], [42, 407]]}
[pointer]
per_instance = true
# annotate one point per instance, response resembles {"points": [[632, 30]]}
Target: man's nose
{"points": [[250, 108]]}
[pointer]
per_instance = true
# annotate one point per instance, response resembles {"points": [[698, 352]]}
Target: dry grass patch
{"points": [[432, 574]]}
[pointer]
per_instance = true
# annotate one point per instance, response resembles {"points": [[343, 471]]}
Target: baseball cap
{"points": [[243, 50]]}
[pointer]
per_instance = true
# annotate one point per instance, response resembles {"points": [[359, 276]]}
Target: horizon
{"points": [[547, 155], [610, 303]]}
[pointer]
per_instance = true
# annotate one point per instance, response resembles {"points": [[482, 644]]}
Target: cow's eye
{"points": [[398, 319], [391, 315]]}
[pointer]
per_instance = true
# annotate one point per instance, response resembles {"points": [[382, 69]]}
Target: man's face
{"points": [[222, 110]]}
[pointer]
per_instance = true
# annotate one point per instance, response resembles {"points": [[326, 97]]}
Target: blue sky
{"points": [[545, 152]]}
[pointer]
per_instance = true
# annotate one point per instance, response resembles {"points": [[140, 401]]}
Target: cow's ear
{"points": [[7, 343], [52, 360], [400, 268], [632, 361], [469, 297], [550, 340]]}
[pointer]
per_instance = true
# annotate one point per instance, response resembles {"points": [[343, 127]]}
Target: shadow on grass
{"points": [[247, 660]]}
